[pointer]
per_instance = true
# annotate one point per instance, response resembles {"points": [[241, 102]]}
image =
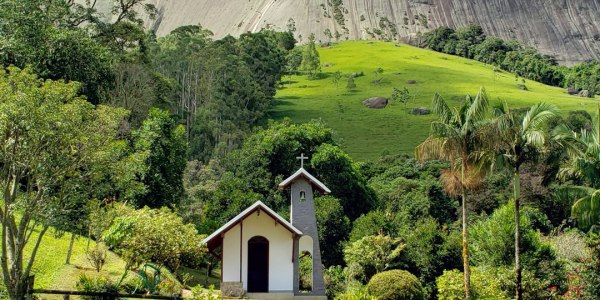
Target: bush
{"points": [[335, 281], [356, 292], [371, 255], [96, 285], [395, 285], [483, 285]]}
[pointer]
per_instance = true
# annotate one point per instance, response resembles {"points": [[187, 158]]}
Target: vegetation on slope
{"points": [[366, 133]]}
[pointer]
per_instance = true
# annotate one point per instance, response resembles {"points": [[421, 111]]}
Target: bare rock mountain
{"points": [[566, 29]]}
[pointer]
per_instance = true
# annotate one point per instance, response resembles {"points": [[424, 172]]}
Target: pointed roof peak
{"points": [[302, 173]]}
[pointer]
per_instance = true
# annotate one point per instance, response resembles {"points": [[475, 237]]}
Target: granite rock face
{"points": [[566, 29]]}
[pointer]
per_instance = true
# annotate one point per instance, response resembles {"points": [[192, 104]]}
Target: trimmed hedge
{"points": [[395, 285]]}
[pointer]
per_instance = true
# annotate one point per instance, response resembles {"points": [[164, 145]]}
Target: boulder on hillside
{"points": [[572, 91], [376, 102], [356, 74], [584, 93], [420, 111], [411, 82]]}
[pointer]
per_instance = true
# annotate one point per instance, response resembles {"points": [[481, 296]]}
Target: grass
{"points": [[367, 133], [51, 272]]}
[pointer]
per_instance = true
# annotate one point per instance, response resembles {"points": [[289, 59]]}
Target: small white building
{"points": [[259, 250]]}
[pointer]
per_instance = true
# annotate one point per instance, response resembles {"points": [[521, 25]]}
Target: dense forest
{"points": [[145, 144]]}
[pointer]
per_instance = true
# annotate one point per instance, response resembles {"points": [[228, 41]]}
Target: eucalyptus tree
{"points": [[515, 139], [48, 135], [455, 137]]}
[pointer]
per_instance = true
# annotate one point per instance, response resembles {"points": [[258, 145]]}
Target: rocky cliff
{"points": [[566, 29]]}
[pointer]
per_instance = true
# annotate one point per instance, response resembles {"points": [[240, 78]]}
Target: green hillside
{"points": [[366, 133]]}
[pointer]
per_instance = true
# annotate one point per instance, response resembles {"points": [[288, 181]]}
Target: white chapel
{"points": [[260, 251]]}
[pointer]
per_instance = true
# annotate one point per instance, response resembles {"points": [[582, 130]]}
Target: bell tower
{"points": [[302, 186]]}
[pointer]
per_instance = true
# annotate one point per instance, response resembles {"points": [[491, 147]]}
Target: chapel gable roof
{"points": [[216, 238], [301, 173]]}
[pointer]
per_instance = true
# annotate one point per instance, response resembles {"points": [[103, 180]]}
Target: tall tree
{"points": [[516, 139], [311, 60], [165, 146], [454, 137], [48, 136]]}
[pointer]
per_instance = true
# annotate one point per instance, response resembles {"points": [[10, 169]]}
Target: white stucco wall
{"points": [[281, 267], [305, 244]]}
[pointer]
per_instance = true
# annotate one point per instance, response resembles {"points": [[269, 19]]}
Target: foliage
{"points": [[311, 63], [156, 235], [402, 96], [333, 228], [538, 258], [199, 293], [40, 34], [590, 274], [395, 285], [305, 272], [485, 286], [220, 89], [337, 171], [355, 292], [583, 168], [165, 147], [50, 137], [373, 223], [96, 285], [350, 85], [371, 255], [97, 257], [335, 281], [264, 57], [430, 250], [499, 250]]}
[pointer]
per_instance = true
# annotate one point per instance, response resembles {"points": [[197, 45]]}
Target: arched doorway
{"points": [[258, 265]]}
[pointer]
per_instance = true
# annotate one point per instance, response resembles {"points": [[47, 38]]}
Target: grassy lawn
{"points": [[51, 272], [366, 133]]}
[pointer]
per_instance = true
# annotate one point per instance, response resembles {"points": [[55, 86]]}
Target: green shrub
{"points": [[335, 281], [96, 285], [355, 292], [491, 283], [395, 285], [484, 285]]}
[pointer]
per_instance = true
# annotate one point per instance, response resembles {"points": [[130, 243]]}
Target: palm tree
{"points": [[584, 165], [454, 138], [514, 141]]}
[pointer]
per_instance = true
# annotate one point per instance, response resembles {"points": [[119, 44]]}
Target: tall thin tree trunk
{"points": [[465, 238], [518, 271], [68, 260]]}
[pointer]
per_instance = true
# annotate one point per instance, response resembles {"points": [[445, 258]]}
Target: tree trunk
{"points": [[465, 240], [518, 271], [465, 249], [68, 260]]}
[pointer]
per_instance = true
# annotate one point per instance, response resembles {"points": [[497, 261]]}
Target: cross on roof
{"points": [[302, 158]]}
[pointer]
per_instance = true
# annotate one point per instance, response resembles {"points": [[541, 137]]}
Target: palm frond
{"points": [[586, 210], [454, 182], [440, 129], [478, 108], [538, 115], [441, 108], [431, 148], [535, 138]]}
